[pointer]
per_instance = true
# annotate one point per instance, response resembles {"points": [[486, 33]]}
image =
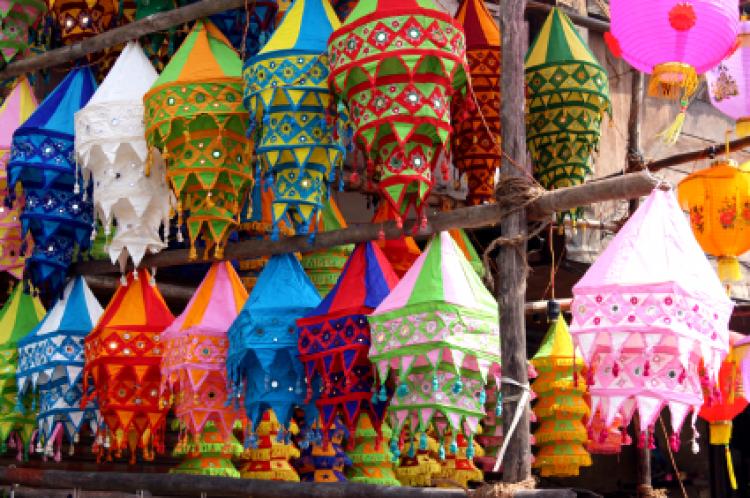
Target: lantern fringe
{"points": [[368, 458], [271, 475], [216, 472], [729, 269], [670, 79], [265, 454], [380, 481], [567, 436]]}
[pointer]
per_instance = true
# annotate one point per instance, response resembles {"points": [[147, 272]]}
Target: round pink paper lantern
{"points": [[729, 83], [673, 40]]}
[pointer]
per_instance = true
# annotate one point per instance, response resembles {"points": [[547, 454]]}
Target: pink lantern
{"points": [[646, 314], [729, 83], [673, 40]]}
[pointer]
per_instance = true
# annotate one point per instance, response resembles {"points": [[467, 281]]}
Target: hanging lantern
{"points": [[606, 440], [286, 91], [18, 18], [112, 152], [334, 340], [561, 407], [645, 315], [726, 401], [372, 461], [457, 468], [419, 463], [215, 454], [567, 93], [262, 362], [440, 337], [194, 116], [718, 201], [50, 364], [401, 252], [324, 266], [323, 461], [56, 213], [397, 66], [729, 82], [77, 20], [476, 137], [20, 314], [269, 461], [16, 109], [123, 357], [193, 369]]}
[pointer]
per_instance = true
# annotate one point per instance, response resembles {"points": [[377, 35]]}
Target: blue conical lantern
{"points": [[50, 365], [56, 213], [263, 341]]}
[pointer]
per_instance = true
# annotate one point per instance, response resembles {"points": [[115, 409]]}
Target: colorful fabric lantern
{"points": [[194, 377], [561, 407], [50, 364], [457, 468], [729, 82], [112, 152], [401, 252], [210, 454], [646, 314], [324, 266], [718, 201], [286, 92], [419, 463], [604, 440], [20, 314], [567, 93], [270, 460], [77, 20], [18, 18], [438, 331], [56, 213], [397, 66], [123, 357], [194, 116], [371, 460], [262, 363], [334, 340], [476, 137], [673, 41], [323, 461], [16, 109]]}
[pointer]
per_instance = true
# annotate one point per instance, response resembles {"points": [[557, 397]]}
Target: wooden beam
{"points": [[193, 485], [511, 260], [624, 187], [584, 21], [122, 34], [169, 291]]}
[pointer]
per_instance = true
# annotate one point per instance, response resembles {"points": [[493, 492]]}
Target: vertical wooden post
{"points": [[511, 261], [635, 154], [643, 489]]}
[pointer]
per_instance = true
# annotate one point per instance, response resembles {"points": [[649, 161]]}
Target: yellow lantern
{"points": [[718, 201]]}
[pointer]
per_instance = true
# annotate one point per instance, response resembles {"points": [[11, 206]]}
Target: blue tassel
{"points": [[402, 390], [470, 449], [482, 397], [383, 394], [441, 451], [412, 451], [458, 387], [454, 446], [499, 410], [394, 449], [435, 383], [423, 442]]}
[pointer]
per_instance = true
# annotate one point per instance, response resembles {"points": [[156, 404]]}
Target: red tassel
{"points": [[354, 178], [651, 441], [674, 442], [646, 368], [615, 370], [399, 223], [642, 440], [381, 235]]}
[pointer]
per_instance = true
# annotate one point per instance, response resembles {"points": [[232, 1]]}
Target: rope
{"points": [[503, 489], [671, 457], [520, 407]]}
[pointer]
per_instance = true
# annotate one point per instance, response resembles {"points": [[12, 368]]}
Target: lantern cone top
{"points": [[558, 42], [16, 109], [19, 315], [479, 25], [305, 27], [129, 79]]}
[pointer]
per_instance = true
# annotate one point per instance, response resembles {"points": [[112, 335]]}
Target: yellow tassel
{"points": [[730, 467], [729, 269], [743, 127], [670, 135]]}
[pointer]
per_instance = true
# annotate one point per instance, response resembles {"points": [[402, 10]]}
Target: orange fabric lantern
{"points": [[123, 357], [401, 252], [718, 200]]}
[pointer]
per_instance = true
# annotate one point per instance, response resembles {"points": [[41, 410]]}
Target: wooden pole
{"points": [[122, 34], [584, 21], [622, 187], [635, 154], [644, 489], [511, 260]]}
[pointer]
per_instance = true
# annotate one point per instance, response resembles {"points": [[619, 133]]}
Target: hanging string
{"points": [[671, 458]]}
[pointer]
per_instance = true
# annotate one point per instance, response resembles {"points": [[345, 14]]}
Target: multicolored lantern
{"points": [[50, 366], [457, 468], [567, 93], [729, 82], [372, 462], [112, 153], [398, 65], [262, 363], [561, 407], [18, 17], [438, 332], [194, 116], [77, 20], [334, 340], [673, 41], [56, 213], [419, 463], [16, 109], [20, 314], [214, 454], [123, 358], [718, 201], [194, 377], [646, 314], [476, 137], [287, 94], [324, 266], [401, 252], [270, 460], [323, 461]]}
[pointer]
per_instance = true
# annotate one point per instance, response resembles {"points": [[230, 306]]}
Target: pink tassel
{"points": [[615, 370], [32, 441], [646, 368], [603, 436], [18, 444], [55, 441], [642, 440], [651, 442], [674, 442]]}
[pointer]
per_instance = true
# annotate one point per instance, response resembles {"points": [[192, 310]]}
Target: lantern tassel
{"points": [[730, 467], [729, 269], [672, 133]]}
